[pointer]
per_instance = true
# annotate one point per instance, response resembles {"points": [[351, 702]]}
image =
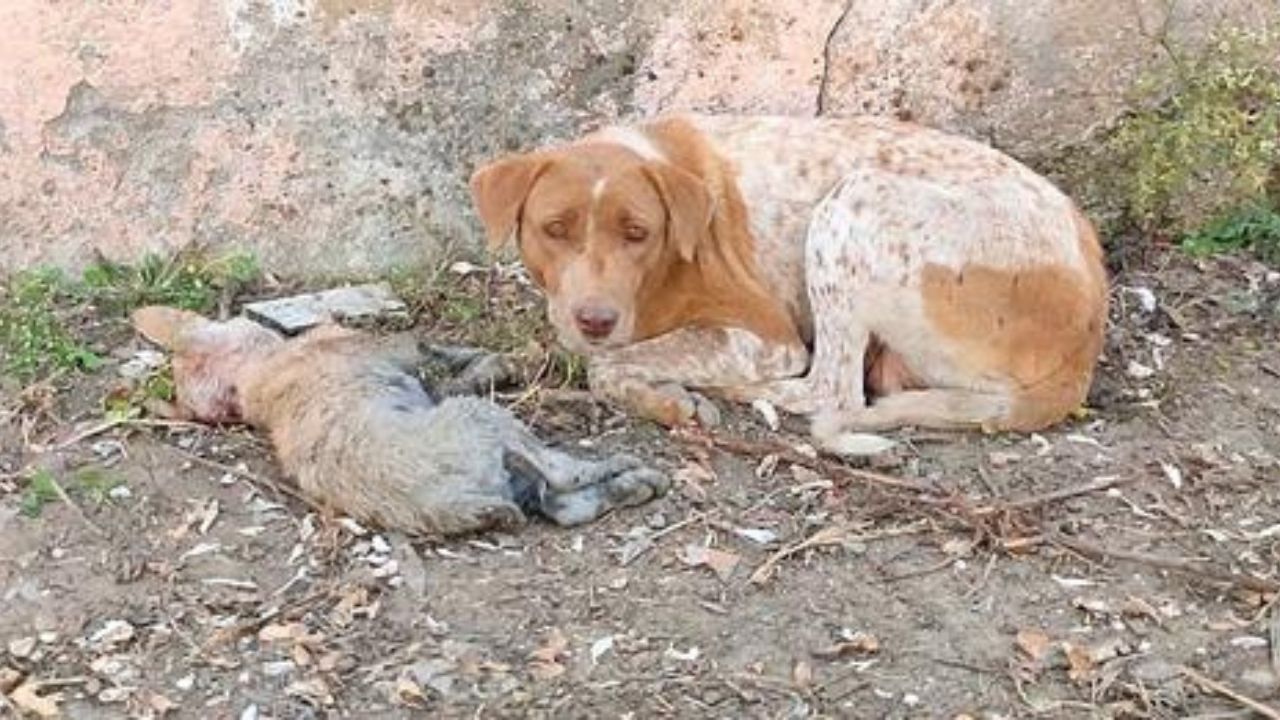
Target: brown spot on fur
{"points": [[1040, 326]]}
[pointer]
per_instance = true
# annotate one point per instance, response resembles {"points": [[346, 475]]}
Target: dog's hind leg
{"points": [[938, 409]]}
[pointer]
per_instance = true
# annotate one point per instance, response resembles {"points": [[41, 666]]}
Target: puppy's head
{"points": [[210, 359], [600, 227]]}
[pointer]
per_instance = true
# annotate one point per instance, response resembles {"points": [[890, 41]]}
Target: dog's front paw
{"points": [[679, 406]]}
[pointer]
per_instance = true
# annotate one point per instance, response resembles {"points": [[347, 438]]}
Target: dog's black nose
{"points": [[595, 321]]}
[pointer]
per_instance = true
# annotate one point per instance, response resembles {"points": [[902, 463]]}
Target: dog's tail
{"points": [[164, 325]]}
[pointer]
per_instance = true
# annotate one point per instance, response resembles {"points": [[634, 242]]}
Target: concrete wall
{"points": [[335, 136]]}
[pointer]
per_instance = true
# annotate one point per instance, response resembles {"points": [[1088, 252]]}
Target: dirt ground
{"points": [[764, 585]]}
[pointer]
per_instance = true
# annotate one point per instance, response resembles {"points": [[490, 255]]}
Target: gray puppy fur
{"points": [[356, 429]]}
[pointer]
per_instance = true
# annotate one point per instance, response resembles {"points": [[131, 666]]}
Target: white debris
{"points": [[768, 412], [1138, 371]]}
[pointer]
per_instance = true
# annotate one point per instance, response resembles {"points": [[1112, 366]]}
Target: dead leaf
{"points": [[858, 643], [802, 675], [409, 693], [281, 632], [1137, 607], [313, 689], [160, 704], [721, 562], [544, 663], [1034, 643], [1080, 661], [28, 699], [9, 678]]}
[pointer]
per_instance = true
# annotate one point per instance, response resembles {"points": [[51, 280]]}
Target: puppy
{"points": [[350, 422], [863, 271]]}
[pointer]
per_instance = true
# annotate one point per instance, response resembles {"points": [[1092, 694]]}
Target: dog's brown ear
{"points": [[690, 207], [499, 190], [165, 326]]}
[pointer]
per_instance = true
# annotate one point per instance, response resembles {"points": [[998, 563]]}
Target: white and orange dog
{"points": [[867, 272]]}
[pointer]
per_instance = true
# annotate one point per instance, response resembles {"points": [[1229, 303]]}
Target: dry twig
{"points": [[260, 481], [830, 535], [760, 449], [1180, 565], [1218, 688]]}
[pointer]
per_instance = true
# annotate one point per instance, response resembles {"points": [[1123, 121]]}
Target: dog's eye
{"points": [[635, 233], [556, 229]]}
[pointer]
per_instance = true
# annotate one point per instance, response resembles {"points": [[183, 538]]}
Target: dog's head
{"points": [[600, 226], [210, 358]]}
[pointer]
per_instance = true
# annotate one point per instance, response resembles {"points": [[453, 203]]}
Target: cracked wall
{"points": [[335, 136]]}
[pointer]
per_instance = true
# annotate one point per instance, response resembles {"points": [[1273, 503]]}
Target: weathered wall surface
{"points": [[335, 136]]}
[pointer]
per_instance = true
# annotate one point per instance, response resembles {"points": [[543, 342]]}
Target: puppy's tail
{"points": [[164, 326]]}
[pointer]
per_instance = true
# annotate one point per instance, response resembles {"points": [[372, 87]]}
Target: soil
{"points": [[198, 590]]}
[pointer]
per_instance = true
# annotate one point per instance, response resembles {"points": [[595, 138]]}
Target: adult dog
{"points": [[868, 272]]}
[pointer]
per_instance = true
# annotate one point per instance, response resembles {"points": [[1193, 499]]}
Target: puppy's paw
{"points": [[636, 486]]}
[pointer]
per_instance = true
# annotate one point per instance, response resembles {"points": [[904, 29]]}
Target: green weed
{"points": [[1255, 229], [42, 311], [93, 485], [1203, 143], [36, 334], [188, 280], [40, 491]]}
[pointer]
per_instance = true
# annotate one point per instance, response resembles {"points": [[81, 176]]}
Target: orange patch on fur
{"points": [[1040, 327]]}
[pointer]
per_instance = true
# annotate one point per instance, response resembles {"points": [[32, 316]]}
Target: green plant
{"points": [[41, 490], [190, 280], [1255, 228], [1205, 143], [95, 484], [41, 310], [35, 333], [92, 484]]}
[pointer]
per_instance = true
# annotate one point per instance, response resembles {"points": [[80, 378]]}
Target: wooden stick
{"points": [[66, 498], [830, 535], [1188, 567], [1275, 636], [1098, 485], [740, 446], [1214, 686]]}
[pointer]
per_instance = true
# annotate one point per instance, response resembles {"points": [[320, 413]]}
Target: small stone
{"points": [[278, 668], [380, 545], [249, 713], [114, 695], [185, 683], [1154, 671], [657, 521], [292, 315], [911, 700], [1145, 297], [120, 492], [22, 648], [48, 637], [1138, 371], [112, 633], [1261, 678]]}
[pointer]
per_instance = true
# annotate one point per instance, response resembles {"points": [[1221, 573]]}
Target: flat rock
{"points": [[292, 315]]}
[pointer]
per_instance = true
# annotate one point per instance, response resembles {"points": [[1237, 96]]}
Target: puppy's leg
{"points": [[572, 491]]}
